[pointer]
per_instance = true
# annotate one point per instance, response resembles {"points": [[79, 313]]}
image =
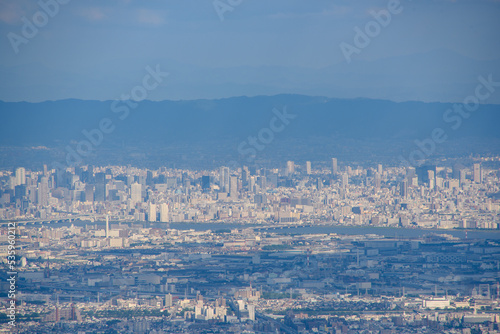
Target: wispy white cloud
{"points": [[150, 17]]}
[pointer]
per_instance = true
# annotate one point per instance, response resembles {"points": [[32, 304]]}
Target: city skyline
{"points": [[250, 166], [159, 195]]}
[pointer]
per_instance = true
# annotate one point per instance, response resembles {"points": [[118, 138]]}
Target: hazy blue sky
{"points": [[98, 49]]}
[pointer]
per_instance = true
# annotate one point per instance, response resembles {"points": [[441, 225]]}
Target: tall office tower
{"points": [[90, 174], [463, 176], [308, 167], [45, 171], [319, 183], [168, 300], [43, 191], [403, 188], [89, 193], [149, 178], [32, 193], [205, 182], [12, 182], [251, 184], [100, 187], [456, 171], [100, 192], [290, 168], [334, 166], [20, 191], [221, 177], [380, 169], [107, 226], [476, 174], [377, 180], [245, 174], [152, 212], [164, 213], [20, 176], [233, 187], [345, 180], [135, 193], [224, 179], [431, 178]]}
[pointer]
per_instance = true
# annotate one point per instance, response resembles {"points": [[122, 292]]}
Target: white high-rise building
{"points": [[135, 193], [164, 213], [432, 179], [20, 176], [290, 167], [152, 212], [308, 167], [251, 312], [168, 300], [107, 226], [12, 182]]}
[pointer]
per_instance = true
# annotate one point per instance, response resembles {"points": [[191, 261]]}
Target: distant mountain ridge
{"points": [[53, 122], [207, 133]]}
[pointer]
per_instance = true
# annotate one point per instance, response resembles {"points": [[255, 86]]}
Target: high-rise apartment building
{"points": [[152, 212], [135, 193], [164, 213]]}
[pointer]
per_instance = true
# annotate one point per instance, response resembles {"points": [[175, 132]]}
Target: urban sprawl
{"points": [[118, 249]]}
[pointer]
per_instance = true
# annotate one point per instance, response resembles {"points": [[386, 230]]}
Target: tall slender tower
{"points": [[107, 226], [334, 166], [20, 176], [476, 175], [290, 167]]}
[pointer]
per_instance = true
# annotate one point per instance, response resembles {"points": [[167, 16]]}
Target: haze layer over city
{"points": [[233, 166]]}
